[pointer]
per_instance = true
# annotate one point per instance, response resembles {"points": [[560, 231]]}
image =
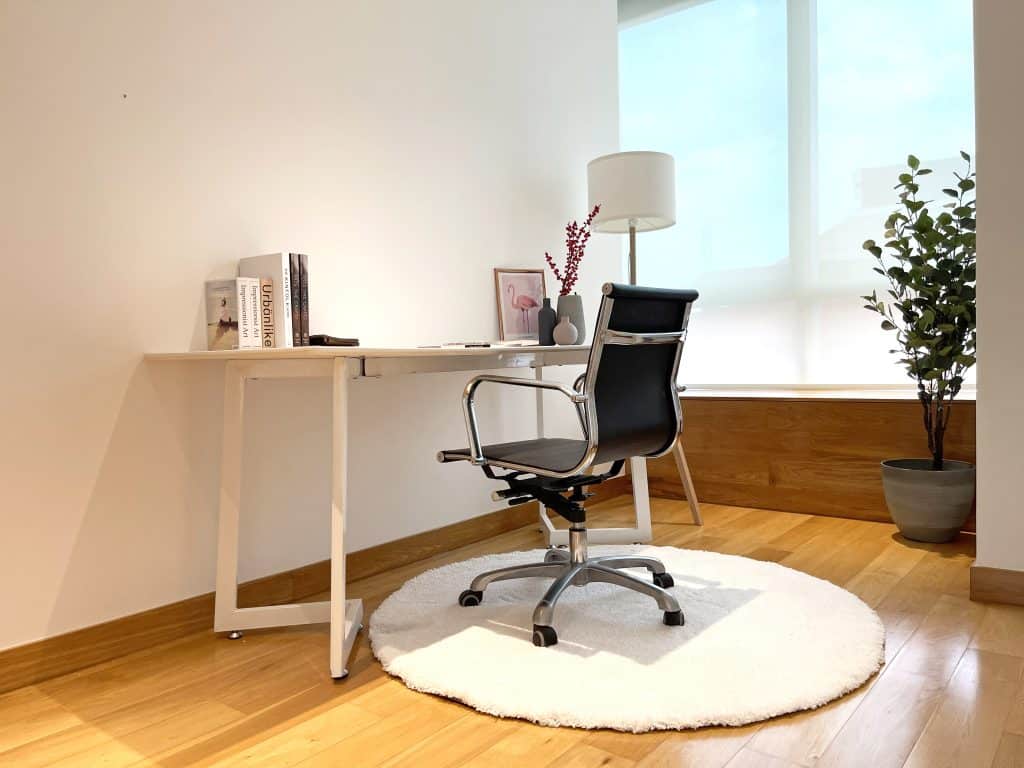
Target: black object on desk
{"points": [[324, 340]]}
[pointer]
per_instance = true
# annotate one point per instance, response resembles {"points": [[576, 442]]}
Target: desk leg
{"points": [[641, 499], [684, 475], [226, 596], [346, 617]]}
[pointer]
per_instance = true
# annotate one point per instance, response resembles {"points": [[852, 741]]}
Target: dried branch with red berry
{"points": [[576, 237]]}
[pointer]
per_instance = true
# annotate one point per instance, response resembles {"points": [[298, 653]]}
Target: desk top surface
{"points": [[310, 353]]}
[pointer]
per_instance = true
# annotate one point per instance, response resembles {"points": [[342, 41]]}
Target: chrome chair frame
{"points": [[574, 567]]}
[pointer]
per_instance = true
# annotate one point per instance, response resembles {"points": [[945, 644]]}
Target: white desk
{"points": [[342, 365]]}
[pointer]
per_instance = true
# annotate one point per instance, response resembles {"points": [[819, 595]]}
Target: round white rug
{"points": [[760, 640]]}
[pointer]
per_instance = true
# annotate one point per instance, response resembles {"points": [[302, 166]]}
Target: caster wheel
{"points": [[471, 597], [663, 580], [544, 636], [551, 556], [674, 618]]}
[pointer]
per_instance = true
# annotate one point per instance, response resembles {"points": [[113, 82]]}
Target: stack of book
{"points": [[267, 305]]}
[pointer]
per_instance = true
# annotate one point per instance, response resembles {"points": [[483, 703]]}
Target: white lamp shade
{"points": [[637, 187]]}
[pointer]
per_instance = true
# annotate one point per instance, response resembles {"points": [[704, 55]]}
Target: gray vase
{"points": [[928, 504], [571, 305]]}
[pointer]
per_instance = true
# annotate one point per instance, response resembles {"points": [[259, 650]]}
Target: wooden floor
{"points": [[951, 693]]}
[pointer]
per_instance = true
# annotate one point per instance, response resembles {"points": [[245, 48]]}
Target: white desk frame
{"points": [[342, 365]]}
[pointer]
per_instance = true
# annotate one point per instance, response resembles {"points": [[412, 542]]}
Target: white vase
{"points": [[565, 332]]}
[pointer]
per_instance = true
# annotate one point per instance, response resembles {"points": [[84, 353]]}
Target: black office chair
{"points": [[628, 405]]}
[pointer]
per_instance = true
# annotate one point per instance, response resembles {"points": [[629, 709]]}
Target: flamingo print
{"points": [[523, 303]]}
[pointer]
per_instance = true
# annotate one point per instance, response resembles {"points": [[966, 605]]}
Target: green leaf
{"points": [[966, 360], [966, 185], [913, 162], [951, 192], [965, 156], [924, 171], [905, 178], [888, 326]]}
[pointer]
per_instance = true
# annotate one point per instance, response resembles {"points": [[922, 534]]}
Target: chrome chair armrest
{"points": [[581, 408], [622, 337], [469, 405]]}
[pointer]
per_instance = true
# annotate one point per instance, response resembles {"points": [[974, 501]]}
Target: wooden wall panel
{"points": [[802, 454]]}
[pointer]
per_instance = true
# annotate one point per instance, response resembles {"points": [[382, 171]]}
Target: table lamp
{"points": [[636, 192]]}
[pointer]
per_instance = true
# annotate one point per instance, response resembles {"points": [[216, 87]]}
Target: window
{"points": [[789, 122]]}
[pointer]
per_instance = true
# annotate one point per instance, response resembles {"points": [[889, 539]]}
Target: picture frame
{"points": [[519, 294]]}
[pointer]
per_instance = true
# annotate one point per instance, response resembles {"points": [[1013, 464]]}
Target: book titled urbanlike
{"points": [[275, 267]]}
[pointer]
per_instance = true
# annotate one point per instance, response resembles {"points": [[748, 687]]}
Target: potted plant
{"points": [[929, 262], [570, 305]]}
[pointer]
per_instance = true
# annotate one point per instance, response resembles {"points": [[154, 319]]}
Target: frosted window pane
{"points": [[709, 85]]}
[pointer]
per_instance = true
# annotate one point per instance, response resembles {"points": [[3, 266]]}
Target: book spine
{"points": [[240, 303], [267, 318], [242, 297], [304, 297], [248, 313], [284, 331], [296, 286]]}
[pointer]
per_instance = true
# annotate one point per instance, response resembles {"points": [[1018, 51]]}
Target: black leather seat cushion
{"points": [[556, 454]]}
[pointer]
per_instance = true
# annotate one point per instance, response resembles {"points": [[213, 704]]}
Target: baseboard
{"points": [[997, 585], [420, 546], [54, 656]]}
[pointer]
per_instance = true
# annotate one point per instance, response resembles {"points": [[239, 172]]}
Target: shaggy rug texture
{"points": [[760, 640]]}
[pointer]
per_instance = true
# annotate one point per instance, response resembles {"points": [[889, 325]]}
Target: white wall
{"points": [[999, 62], [408, 146]]}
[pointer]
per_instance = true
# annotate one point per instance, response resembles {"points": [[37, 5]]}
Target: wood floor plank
{"points": [[586, 756], [27, 714], [936, 647], [388, 737], [819, 556], [456, 743], [883, 573], [302, 740], [1010, 753], [803, 737], [1015, 720], [885, 726], [707, 748], [632, 746], [749, 758], [528, 745], [967, 727], [1002, 631]]}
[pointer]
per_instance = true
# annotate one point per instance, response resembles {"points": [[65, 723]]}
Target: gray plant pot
{"points": [[926, 504], [572, 305]]}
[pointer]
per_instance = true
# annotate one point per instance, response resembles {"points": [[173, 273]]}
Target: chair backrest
{"points": [[631, 374]]}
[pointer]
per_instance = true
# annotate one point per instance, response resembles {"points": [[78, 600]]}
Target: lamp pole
{"points": [[632, 251]]}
